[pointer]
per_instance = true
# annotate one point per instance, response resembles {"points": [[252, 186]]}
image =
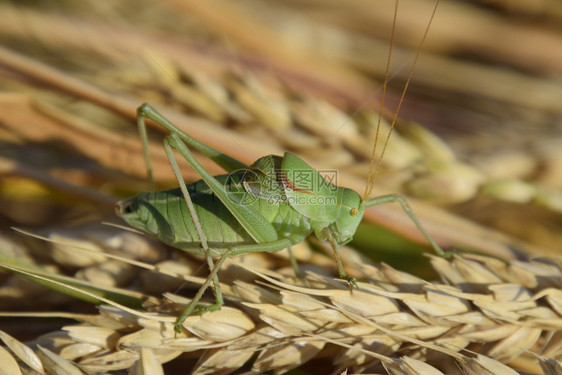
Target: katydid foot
{"points": [[448, 254], [197, 310], [200, 309], [351, 282]]}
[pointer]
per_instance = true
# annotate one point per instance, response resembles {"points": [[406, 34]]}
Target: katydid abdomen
{"points": [[165, 215]]}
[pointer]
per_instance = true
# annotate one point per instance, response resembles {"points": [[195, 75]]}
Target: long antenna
{"points": [[372, 173], [372, 176]]}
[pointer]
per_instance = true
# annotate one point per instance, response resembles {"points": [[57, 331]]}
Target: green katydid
{"points": [[264, 207]]}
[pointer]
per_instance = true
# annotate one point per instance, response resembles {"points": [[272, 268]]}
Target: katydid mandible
{"points": [[259, 208]]}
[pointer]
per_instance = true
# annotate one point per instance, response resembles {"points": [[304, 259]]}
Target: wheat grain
{"points": [[288, 322]]}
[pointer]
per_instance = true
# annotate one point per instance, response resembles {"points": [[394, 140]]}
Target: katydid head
{"points": [[349, 215], [137, 213], [129, 210]]}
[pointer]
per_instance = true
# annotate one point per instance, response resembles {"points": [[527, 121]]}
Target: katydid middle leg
{"points": [[406, 207], [294, 263]]}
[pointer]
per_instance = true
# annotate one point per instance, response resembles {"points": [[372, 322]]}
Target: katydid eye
{"points": [[128, 208], [354, 211]]}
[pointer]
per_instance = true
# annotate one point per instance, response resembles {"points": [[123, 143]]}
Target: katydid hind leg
{"points": [[176, 140], [144, 139], [192, 306], [178, 137], [225, 161], [146, 111], [196, 222], [395, 198], [253, 222], [268, 247]]}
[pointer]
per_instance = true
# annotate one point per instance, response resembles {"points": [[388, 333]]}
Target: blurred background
{"points": [[476, 150]]}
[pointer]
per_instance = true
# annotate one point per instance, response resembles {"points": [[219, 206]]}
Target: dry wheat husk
{"points": [[394, 322]]}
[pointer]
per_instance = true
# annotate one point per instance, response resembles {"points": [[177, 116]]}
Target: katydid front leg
{"points": [[390, 198], [352, 281]]}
